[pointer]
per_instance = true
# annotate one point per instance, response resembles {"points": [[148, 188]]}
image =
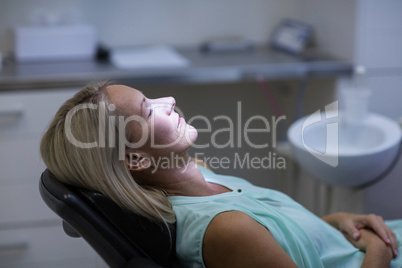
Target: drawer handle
{"points": [[16, 246], [12, 111]]}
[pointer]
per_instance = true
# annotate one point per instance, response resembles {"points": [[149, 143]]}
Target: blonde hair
{"points": [[97, 167]]}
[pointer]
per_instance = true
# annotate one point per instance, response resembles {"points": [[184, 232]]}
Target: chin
{"points": [[191, 134]]}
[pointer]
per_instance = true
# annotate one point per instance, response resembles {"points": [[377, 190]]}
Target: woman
{"points": [[113, 139]]}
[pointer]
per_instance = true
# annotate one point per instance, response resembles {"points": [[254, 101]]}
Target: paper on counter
{"points": [[146, 57]]}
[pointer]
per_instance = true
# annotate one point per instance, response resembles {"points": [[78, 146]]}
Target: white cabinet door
{"points": [[24, 113], [31, 235]]}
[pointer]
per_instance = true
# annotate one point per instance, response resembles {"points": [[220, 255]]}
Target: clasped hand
{"points": [[354, 227]]}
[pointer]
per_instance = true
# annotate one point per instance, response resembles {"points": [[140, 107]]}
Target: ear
{"points": [[137, 161]]}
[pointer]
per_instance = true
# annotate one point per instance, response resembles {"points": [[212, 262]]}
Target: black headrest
{"points": [[106, 226], [154, 238]]}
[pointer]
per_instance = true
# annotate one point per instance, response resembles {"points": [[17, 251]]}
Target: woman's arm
{"points": [[234, 239], [351, 224], [378, 254]]}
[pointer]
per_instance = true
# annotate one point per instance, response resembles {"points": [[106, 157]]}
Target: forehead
{"points": [[126, 98]]}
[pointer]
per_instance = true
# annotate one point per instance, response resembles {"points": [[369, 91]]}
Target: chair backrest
{"points": [[121, 238]]}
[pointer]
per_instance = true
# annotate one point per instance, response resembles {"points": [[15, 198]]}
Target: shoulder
{"points": [[201, 163], [243, 241]]}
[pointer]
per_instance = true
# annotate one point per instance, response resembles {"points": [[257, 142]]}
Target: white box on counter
{"points": [[47, 43]]}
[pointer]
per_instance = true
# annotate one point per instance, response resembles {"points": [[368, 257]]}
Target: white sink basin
{"points": [[341, 154]]}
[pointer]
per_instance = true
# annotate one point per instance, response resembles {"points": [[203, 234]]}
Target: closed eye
{"points": [[150, 112]]}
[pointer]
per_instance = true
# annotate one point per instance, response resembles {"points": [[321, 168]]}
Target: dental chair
{"points": [[121, 238]]}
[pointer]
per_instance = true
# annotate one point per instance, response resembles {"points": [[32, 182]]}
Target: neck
{"points": [[178, 175]]}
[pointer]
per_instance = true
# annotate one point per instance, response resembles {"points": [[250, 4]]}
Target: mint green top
{"points": [[307, 239]]}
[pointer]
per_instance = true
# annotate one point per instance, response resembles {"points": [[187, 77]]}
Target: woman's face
{"points": [[154, 121]]}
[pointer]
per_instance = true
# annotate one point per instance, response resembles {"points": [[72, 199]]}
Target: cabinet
{"points": [[31, 235]]}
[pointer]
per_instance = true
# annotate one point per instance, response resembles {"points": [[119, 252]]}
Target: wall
{"points": [[136, 22], [334, 23], [379, 48]]}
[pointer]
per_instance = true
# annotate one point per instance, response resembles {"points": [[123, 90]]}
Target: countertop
{"points": [[204, 68]]}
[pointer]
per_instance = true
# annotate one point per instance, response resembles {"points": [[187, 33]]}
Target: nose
{"points": [[167, 103], [170, 105]]}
